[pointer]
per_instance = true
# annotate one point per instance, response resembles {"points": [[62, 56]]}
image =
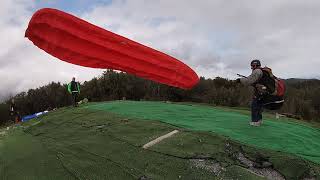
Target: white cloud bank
{"points": [[215, 37]]}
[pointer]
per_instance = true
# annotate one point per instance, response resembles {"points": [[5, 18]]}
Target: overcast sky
{"points": [[214, 37]]}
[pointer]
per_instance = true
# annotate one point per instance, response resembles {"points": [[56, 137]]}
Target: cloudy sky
{"points": [[214, 37]]}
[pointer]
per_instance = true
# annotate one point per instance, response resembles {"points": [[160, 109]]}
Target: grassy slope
{"points": [[90, 144], [279, 135]]}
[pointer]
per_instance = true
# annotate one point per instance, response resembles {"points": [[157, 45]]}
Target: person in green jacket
{"points": [[74, 90], [13, 111]]}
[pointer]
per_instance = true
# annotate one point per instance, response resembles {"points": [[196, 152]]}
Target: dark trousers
{"points": [[13, 116], [256, 110], [74, 99]]}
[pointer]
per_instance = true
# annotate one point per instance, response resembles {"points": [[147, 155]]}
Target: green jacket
{"points": [[74, 87]]}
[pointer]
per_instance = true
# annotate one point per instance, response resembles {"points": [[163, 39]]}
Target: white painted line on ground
{"points": [[155, 141]]}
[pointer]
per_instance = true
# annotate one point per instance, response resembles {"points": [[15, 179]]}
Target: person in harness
{"points": [[13, 111], [74, 90], [268, 91]]}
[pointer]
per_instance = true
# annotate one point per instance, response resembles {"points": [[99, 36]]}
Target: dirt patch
{"points": [[265, 170], [217, 169], [208, 165]]}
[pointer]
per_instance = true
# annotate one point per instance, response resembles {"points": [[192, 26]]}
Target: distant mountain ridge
{"points": [[298, 80]]}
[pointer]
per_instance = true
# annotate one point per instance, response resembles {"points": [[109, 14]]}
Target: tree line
{"points": [[302, 96]]}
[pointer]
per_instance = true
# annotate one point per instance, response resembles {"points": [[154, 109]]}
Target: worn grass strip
{"points": [[159, 139]]}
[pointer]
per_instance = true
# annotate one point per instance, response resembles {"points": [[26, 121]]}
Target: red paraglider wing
{"points": [[78, 42]]}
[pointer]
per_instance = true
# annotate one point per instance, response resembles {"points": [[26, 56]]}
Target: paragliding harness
{"points": [[74, 90], [74, 87], [270, 90]]}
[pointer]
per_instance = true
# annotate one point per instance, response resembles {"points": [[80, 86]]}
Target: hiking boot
{"points": [[254, 123]]}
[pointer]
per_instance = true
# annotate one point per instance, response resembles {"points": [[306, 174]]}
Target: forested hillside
{"points": [[302, 97]]}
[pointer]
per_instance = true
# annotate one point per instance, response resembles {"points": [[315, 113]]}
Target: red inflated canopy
{"points": [[76, 41]]}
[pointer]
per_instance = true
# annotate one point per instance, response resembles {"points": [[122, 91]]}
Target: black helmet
{"points": [[255, 63]]}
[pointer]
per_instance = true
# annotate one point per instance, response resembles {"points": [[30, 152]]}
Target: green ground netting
{"points": [[290, 137], [77, 143], [90, 143], [84, 144]]}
